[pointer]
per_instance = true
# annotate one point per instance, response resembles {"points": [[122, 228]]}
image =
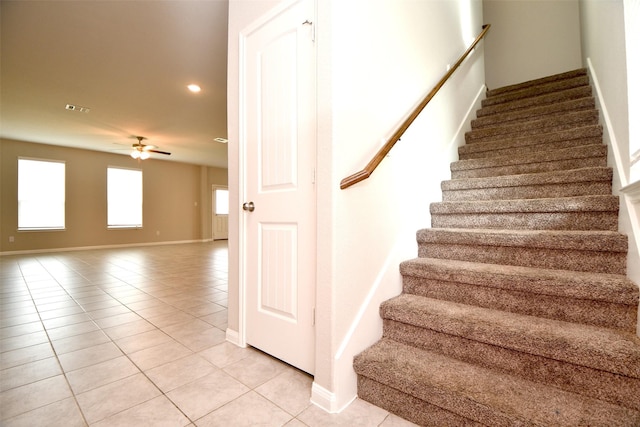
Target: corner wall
{"points": [[530, 39], [604, 53], [368, 81], [173, 203]]}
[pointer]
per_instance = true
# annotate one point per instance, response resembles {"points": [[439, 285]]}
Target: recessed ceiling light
{"points": [[221, 140], [194, 88]]}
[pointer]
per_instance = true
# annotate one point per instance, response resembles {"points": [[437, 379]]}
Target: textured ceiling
{"points": [[129, 63]]}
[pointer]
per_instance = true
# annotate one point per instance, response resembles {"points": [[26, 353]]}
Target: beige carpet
{"points": [[517, 310]]}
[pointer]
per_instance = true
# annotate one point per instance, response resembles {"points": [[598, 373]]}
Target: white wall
{"points": [[530, 39], [604, 52], [376, 60]]}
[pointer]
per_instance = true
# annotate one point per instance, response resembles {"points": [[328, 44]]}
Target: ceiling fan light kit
{"points": [[141, 151]]}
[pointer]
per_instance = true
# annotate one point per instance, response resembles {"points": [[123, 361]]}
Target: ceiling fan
{"points": [[141, 151]]}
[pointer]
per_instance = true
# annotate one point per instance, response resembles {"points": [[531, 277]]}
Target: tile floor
{"points": [[136, 337]]}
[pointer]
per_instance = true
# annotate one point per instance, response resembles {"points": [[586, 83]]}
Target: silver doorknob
{"points": [[248, 206]]}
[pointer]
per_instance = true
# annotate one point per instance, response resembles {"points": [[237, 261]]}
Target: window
{"points": [[41, 194], [124, 198], [222, 201]]}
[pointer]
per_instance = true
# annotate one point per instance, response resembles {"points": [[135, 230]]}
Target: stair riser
{"points": [[590, 312], [507, 150], [534, 113], [409, 407], [529, 221], [529, 192], [556, 78], [529, 128], [613, 388], [494, 99], [537, 101], [533, 167], [565, 259]]}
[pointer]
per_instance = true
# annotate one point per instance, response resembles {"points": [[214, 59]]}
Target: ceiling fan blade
{"points": [[160, 152]]}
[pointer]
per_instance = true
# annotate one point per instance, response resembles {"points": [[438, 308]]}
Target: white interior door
{"points": [[278, 136], [220, 213]]}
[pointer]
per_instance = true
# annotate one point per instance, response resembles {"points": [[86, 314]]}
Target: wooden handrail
{"points": [[377, 159]]}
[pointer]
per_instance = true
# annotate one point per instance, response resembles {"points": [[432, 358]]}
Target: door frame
{"points": [[241, 339]]}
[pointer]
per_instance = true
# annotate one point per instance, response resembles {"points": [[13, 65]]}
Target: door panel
{"points": [[278, 109]]}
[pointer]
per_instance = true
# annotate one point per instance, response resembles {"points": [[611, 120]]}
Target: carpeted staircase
{"points": [[517, 310]]}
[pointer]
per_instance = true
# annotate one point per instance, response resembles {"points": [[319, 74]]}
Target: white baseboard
{"points": [[90, 248], [233, 337], [326, 400]]}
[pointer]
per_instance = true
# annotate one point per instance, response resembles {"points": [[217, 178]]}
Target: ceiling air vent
{"points": [[78, 108]]}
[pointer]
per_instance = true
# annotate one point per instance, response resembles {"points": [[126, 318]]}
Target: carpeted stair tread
{"points": [[524, 114], [534, 126], [591, 251], [604, 349], [609, 241], [568, 75], [563, 183], [586, 135], [605, 300], [533, 91], [568, 213], [614, 288], [479, 394], [541, 161], [545, 99]]}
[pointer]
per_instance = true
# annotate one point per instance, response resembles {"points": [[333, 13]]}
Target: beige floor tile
{"points": [[61, 312], [12, 358], [64, 413], [59, 322], [395, 421], [108, 312], [174, 318], [89, 356], [226, 354], [29, 373], [256, 369], [128, 329], [180, 372], [144, 340], [118, 319], [358, 414], [32, 396], [100, 374], [291, 390], [25, 328], [249, 410], [69, 331], [157, 412], [151, 357], [295, 423], [78, 342], [22, 341], [218, 319], [110, 399], [196, 334], [19, 320], [206, 394]]}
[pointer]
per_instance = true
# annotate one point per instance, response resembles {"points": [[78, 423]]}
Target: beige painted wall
{"points": [[530, 39], [173, 203]]}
